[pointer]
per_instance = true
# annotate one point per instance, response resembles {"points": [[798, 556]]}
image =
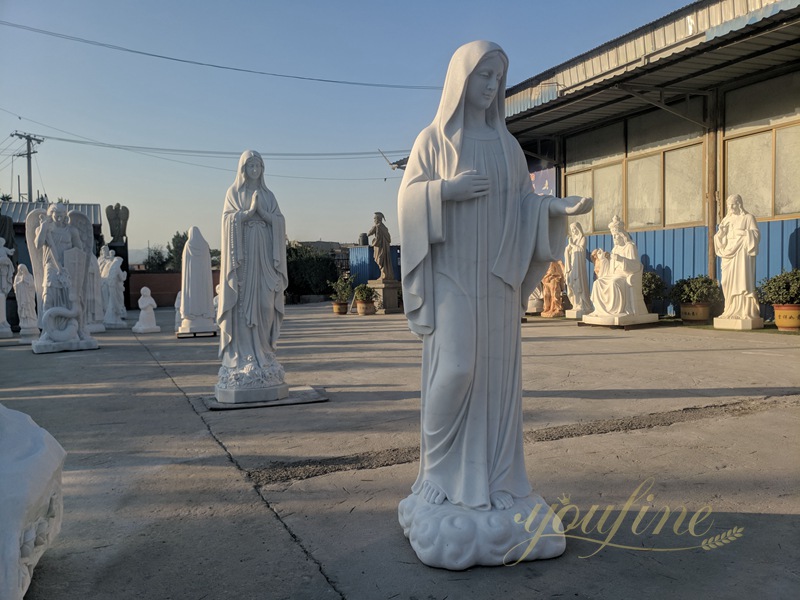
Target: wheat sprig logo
{"points": [[723, 538]]}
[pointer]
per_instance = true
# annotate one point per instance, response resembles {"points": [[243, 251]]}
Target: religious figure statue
{"points": [[117, 222], [736, 243], [178, 318], [476, 240], [6, 282], [57, 242], [197, 289], [147, 316], [253, 279], [553, 285], [7, 233], [381, 247], [617, 291], [25, 291], [113, 284], [575, 271]]}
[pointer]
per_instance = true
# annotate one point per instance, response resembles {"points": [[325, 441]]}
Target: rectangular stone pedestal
{"points": [[621, 321], [242, 396], [387, 291], [738, 324], [573, 314], [296, 395]]}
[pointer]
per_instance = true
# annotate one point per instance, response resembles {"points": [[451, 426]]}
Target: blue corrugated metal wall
{"points": [[363, 266]]}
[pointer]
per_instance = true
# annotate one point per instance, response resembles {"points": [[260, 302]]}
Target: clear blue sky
{"points": [[126, 99]]}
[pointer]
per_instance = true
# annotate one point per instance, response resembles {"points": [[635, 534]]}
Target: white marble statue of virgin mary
{"points": [[476, 240], [253, 279]]}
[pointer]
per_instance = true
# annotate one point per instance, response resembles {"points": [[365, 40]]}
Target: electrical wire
{"points": [[73, 38], [38, 170]]}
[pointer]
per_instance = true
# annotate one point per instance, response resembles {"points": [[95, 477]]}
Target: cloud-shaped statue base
{"points": [[456, 538]]}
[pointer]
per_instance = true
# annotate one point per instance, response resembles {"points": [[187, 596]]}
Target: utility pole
{"points": [[31, 139]]}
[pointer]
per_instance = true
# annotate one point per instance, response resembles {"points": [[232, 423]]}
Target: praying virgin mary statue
{"points": [[476, 240], [253, 278]]}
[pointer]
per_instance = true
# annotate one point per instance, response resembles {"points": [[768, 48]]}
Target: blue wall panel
{"points": [[363, 266]]}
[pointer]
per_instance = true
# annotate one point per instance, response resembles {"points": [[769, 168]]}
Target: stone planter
{"points": [[696, 312], [340, 308], [787, 317], [365, 307]]}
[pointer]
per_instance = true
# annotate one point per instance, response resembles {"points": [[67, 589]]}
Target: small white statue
{"points": [[197, 291], [25, 291], [253, 278], [57, 242], [617, 292], [114, 292], [736, 243], [6, 282], [147, 315], [178, 318], [575, 273], [476, 240]]}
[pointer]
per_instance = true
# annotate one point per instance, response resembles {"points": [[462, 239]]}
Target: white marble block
{"points": [[31, 505]]}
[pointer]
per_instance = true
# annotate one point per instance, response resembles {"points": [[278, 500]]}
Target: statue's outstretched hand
{"points": [[570, 206], [465, 186]]}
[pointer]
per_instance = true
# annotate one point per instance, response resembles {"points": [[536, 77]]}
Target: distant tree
{"points": [[175, 250], [216, 255], [156, 261], [6, 197], [309, 271]]}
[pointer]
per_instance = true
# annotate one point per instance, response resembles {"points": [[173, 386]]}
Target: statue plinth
{"points": [[457, 538], [387, 291], [623, 320], [738, 324]]}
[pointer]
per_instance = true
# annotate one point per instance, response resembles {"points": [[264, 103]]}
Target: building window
{"points": [[683, 186]]}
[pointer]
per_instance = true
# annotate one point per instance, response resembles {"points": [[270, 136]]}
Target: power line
{"points": [[73, 38]]}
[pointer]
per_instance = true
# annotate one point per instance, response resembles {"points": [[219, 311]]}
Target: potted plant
{"points": [[782, 291], [653, 287], [342, 288], [695, 296], [365, 299]]}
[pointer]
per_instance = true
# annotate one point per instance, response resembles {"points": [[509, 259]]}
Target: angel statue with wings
{"points": [[58, 242]]}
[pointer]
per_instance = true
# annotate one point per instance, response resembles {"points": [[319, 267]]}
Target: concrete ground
{"points": [[165, 499]]}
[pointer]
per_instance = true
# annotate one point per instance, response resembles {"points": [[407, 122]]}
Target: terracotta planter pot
{"points": [[787, 317], [696, 312], [365, 308], [340, 308]]}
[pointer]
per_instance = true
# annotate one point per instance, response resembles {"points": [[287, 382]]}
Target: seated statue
{"points": [[617, 290]]}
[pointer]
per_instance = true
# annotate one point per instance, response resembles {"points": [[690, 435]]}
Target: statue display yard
{"points": [[253, 278], [197, 289], [575, 259], [57, 243], [147, 315], [6, 284], [617, 291], [387, 288], [736, 243], [31, 504], [476, 240]]}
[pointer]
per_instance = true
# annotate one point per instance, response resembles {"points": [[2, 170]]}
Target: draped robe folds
{"points": [[618, 288], [467, 269], [252, 280], [738, 251]]}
